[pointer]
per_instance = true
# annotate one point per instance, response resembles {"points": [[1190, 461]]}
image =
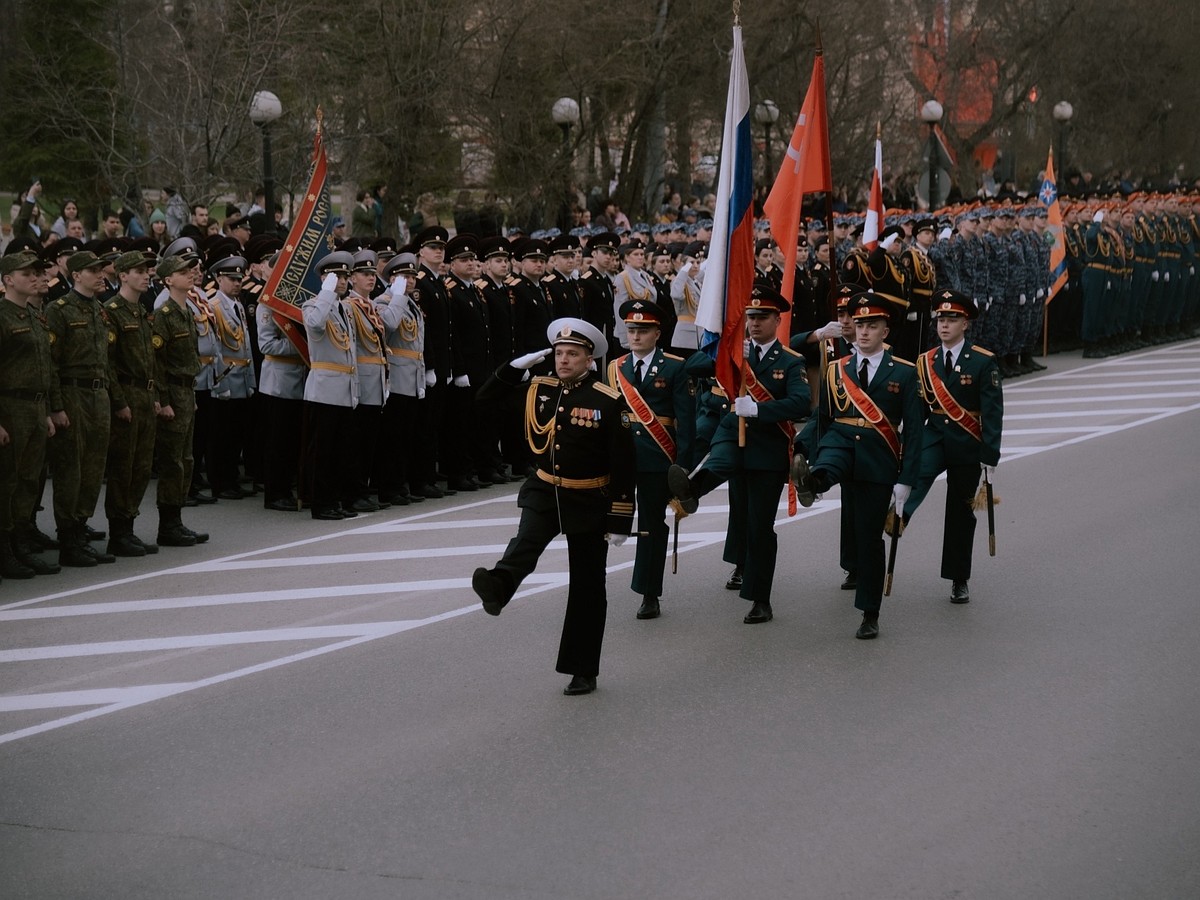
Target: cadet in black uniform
{"points": [[580, 435]]}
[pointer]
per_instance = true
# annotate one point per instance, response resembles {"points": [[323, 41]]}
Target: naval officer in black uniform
{"points": [[581, 440]]}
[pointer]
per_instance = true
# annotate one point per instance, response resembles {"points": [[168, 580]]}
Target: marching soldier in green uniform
{"points": [[580, 435], [134, 403], [960, 384], [26, 377], [871, 422], [658, 393], [79, 407], [777, 396], [176, 364]]}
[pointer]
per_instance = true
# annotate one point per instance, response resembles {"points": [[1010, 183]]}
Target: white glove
{"points": [[1154, 275], [746, 348], [329, 282], [1191, 270], [912, 316], [616, 540], [990, 473], [704, 264], [887, 242], [944, 234], [1167, 276], [1022, 303], [430, 378], [450, 378], [829, 332], [529, 360], [398, 286], [1099, 216], [900, 496], [462, 381], [991, 300], [745, 407], [1041, 293]]}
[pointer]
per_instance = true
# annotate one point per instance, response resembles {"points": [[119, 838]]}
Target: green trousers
{"points": [[78, 454], [21, 458], [130, 455]]}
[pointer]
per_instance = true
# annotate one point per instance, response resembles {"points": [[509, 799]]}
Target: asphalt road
{"points": [[303, 709]]}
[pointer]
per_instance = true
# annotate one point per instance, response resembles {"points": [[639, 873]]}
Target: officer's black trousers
{"points": [[653, 495], [587, 601], [366, 422], [958, 528], [281, 446], [328, 453], [870, 501]]}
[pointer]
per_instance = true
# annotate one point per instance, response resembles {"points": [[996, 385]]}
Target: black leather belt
{"points": [[136, 382], [19, 394], [91, 384]]}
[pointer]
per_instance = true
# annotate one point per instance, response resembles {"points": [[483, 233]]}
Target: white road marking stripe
{"points": [[1140, 383], [1116, 373], [95, 697], [1090, 413], [1062, 429], [1114, 398], [227, 639]]}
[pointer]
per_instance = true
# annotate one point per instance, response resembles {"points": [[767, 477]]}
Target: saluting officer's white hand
{"points": [[329, 283], [529, 360]]}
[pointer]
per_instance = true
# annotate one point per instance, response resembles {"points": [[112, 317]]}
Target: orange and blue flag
{"points": [[1048, 197], [729, 272]]}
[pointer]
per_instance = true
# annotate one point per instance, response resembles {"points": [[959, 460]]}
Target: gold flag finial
{"points": [[320, 120], [820, 47], [737, 12], [878, 130]]}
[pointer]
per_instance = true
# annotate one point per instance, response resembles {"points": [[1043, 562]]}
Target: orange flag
{"points": [[805, 170]]}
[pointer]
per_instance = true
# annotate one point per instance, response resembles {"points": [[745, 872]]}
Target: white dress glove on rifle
{"points": [[900, 496], [529, 360], [616, 540], [329, 282], [462, 381], [989, 472], [745, 407]]}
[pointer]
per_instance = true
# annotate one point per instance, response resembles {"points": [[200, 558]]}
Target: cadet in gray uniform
{"points": [[282, 390], [331, 388], [395, 469], [372, 382], [234, 385]]}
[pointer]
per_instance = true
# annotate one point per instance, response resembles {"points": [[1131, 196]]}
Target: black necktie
{"points": [[949, 361], [863, 373], [755, 354], [637, 372]]}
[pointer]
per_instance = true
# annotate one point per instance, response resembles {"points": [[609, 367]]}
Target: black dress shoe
{"points": [[200, 498], [735, 580], [681, 489], [463, 484], [430, 492], [362, 504], [806, 493], [190, 501], [649, 608], [491, 589], [760, 612], [851, 582], [869, 629], [230, 494], [398, 500], [281, 505], [959, 593], [328, 515], [580, 684]]}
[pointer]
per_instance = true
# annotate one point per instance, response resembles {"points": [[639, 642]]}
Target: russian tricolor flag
{"points": [[729, 272]]}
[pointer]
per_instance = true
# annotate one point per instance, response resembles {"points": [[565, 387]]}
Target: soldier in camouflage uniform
{"points": [[26, 375], [79, 408], [134, 403], [176, 364]]}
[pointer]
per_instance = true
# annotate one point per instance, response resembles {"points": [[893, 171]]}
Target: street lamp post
{"points": [[1062, 113], [931, 114], [565, 113], [766, 114], [265, 108]]}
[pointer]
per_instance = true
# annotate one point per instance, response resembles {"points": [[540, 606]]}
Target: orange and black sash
{"points": [[640, 408], [870, 412], [945, 399]]}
